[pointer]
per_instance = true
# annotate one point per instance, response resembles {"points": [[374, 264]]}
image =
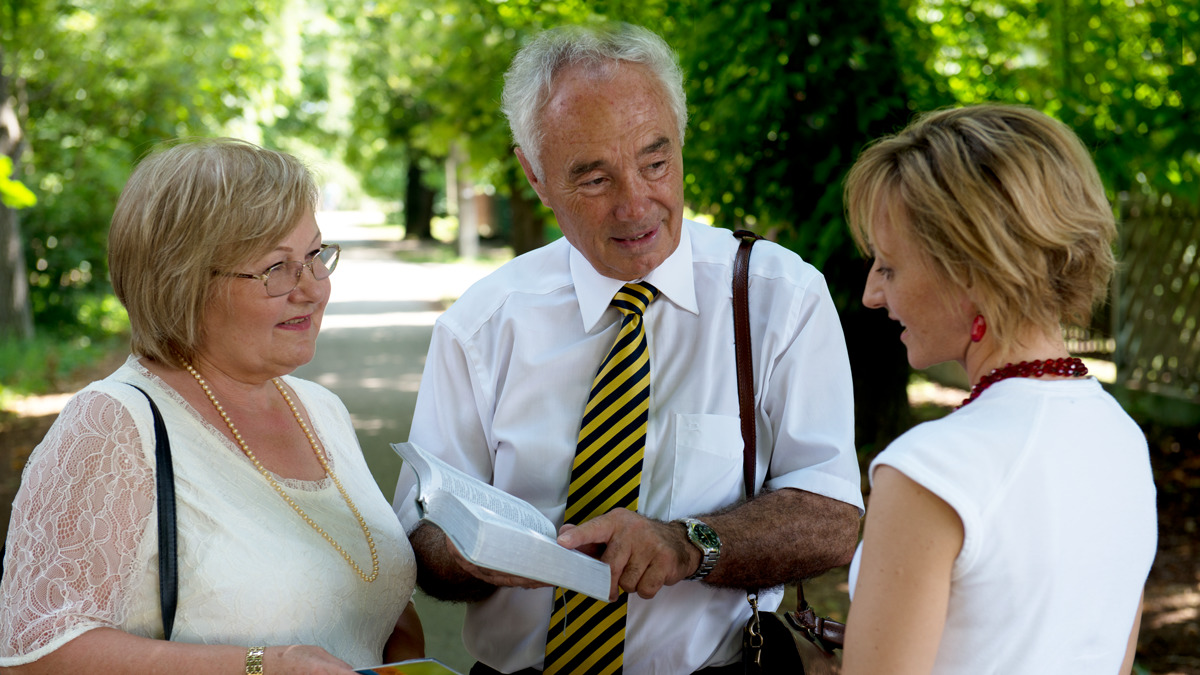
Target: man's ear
{"points": [[530, 175]]}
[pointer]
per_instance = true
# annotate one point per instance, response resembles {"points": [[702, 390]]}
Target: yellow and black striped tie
{"points": [[586, 635]]}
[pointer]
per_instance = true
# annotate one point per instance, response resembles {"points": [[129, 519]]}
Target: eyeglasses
{"points": [[283, 278]]}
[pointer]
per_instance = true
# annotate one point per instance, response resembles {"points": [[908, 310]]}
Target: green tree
{"points": [[1122, 74], [96, 83], [16, 317], [430, 74], [783, 96]]}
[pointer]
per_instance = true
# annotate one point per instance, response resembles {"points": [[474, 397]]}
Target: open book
{"points": [[498, 531]]}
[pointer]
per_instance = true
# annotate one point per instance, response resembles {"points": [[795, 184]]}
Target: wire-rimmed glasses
{"points": [[283, 278]]}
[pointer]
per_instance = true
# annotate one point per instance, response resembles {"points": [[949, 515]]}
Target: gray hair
{"points": [[528, 81]]}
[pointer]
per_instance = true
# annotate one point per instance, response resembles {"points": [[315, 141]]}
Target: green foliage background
{"points": [[782, 93], [782, 97], [380, 93]]}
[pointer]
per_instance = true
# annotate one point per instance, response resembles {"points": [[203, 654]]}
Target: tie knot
{"points": [[634, 297]]}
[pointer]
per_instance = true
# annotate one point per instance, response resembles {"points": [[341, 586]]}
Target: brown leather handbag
{"points": [[770, 644]]}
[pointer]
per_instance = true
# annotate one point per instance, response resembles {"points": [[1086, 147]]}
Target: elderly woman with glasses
{"points": [[290, 560]]}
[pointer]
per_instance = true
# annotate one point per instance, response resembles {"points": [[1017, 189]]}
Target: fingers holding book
{"points": [[643, 555]]}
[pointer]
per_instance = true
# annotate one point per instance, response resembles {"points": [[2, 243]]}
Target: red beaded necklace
{"points": [[1070, 367]]}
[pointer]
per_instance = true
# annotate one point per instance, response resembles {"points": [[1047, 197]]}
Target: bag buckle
{"points": [[812, 628], [752, 639]]}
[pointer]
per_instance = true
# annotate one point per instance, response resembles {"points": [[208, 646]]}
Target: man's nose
{"points": [[633, 199]]}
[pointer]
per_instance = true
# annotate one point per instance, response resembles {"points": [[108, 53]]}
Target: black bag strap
{"points": [[164, 477], [826, 634]]}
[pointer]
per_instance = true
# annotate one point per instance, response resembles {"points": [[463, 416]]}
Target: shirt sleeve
{"points": [[447, 420], [809, 397], [75, 541]]}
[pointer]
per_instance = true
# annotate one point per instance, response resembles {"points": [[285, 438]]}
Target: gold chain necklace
{"points": [[279, 488]]}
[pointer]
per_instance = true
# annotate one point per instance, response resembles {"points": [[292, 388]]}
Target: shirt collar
{"points": [[673, 279]]}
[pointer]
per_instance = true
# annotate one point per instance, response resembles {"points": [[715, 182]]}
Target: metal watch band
{"points": [[708, 554]]}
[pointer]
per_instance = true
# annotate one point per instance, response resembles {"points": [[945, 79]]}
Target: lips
{"points": [[637, 238], [298, 322]]}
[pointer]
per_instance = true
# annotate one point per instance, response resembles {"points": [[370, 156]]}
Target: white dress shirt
{"points": [[508, 373]]}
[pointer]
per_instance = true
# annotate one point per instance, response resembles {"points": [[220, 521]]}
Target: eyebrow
{"points": [[316, 237], [661, 144], [580, 169], [657, 146]]}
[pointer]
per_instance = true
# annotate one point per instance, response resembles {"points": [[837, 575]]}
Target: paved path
{"points": [[371, 353]]}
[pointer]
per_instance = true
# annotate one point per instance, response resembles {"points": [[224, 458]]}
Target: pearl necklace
{"points": [[279, 488], [1071, 367]]}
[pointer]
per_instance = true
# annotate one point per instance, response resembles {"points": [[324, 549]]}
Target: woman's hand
{"points": [[108, 650], [303, 660]]}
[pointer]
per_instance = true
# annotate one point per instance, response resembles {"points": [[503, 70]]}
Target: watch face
{"points": [[704, 535]]}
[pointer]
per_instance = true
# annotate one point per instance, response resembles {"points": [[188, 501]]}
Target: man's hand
{"points": [[644, 554], [778, 537], [486, 575]]}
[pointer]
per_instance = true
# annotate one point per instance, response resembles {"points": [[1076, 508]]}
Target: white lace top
{"points": [[83, 540]]}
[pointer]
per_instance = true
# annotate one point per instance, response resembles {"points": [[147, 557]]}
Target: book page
{"points": [[472, 490], [469, 490]]}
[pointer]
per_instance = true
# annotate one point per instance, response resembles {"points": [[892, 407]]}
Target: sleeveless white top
{"points": [[1052, 482]]}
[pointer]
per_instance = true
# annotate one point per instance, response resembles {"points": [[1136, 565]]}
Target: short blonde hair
{"points": [[1005, 201], [192, 211]]}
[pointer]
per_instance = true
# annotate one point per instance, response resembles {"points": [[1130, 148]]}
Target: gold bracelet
{"points": [[254, 657]]}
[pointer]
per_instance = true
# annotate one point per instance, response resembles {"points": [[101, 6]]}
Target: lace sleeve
{"points": [[77, 527]]}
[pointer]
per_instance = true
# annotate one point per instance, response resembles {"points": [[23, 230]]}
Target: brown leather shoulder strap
{"points": [[745, 357], [825, 634]]}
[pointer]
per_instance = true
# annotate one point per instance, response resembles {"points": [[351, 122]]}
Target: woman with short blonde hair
{"points": [[1015, 534], [1006, 201]]}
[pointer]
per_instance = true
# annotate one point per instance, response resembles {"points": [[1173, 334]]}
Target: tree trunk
{"points": [[878, 360], [418, 204], [869, 108], [16, 318], [527, 226]]}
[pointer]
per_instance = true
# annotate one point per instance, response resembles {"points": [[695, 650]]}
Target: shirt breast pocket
{"points": [[707, 472]]}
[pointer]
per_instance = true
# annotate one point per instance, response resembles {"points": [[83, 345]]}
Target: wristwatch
{"points": [[705, 538]]}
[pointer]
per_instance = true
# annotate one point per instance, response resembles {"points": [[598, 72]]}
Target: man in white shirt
{"points": [[598, 116]]}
